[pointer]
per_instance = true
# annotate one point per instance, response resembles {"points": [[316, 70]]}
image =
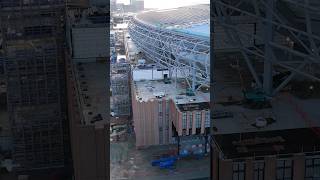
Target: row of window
{"points": [[197, 119], [284, 170]]}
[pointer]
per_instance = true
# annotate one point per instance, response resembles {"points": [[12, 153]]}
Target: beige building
{"points": [[162, 111]]}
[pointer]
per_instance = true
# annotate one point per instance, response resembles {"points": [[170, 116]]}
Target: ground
{"points": [[129, 163]]}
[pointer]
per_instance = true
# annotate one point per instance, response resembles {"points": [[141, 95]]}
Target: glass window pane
{"points": [[316, 171], [288, 163], [235, 176], [280, 174], [309, 172], [261, 166], [287, 172], [256, 175], [309, 162], [235, 166], [241, 175], [280, 163], [317, 161], [241, 166]]}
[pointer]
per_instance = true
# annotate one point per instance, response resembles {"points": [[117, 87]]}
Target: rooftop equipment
{"points": [[189, 92]]}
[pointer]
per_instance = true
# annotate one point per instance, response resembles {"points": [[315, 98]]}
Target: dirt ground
{"points": [[129, 163]]}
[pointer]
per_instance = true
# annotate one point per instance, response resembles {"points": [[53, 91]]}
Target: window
{"points": [[167, 107], [312, 171], [259, 170], [160, 107], [190, 120], [198, 120], [160, 135], [238, 172], [284, 169], [207, 119], [184, 132], [184, 120]]}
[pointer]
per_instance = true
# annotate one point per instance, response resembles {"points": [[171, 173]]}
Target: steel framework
{"points": [[119, 78], [296, 20], [177, 51], [32, 36]]}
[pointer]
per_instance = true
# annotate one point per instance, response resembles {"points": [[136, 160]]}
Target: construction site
{"points": [[52, 101], [239, 103], [169, 106], [31, 45], [266, 56]]}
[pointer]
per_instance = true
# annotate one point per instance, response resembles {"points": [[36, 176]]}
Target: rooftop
{"points": [[190, 19], [91, 80], [285, 112], [149, 88], [277, 142]]}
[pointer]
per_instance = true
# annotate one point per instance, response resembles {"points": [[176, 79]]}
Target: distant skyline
{"points": [[167, 4]]}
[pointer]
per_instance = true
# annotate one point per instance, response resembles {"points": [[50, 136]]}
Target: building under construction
{"points": [[32, 41], [266, 56], [119, 79]]}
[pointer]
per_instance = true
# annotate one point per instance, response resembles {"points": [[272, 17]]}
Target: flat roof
{"points": [[121, 26], [286, 112], [147, 89], [278, 142], [91, 80]]}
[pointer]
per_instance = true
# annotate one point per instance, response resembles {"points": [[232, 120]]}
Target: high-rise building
{"points": [[33, 51], [87, 92]]}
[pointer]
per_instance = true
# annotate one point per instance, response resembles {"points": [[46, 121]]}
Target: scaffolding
{"points": [[32, 35], [121, 103]]}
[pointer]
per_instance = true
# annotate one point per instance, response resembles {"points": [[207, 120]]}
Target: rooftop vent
{"points": [[189, 92], [159, 94], [179, 97], [261, 122], [192, 100]]}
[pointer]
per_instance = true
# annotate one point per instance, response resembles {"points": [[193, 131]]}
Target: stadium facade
{"points": [[177, 39]]}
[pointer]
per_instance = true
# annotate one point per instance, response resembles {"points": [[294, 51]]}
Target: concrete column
{"points": [[202, 121], [193, 122], [214, 164], [188, 123], [298, 167], [249, 169], [179, 123], [225, 170], [270, 167]]}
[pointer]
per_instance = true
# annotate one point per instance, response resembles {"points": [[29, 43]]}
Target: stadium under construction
{"points": [[170, 94], [265, 85]]}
